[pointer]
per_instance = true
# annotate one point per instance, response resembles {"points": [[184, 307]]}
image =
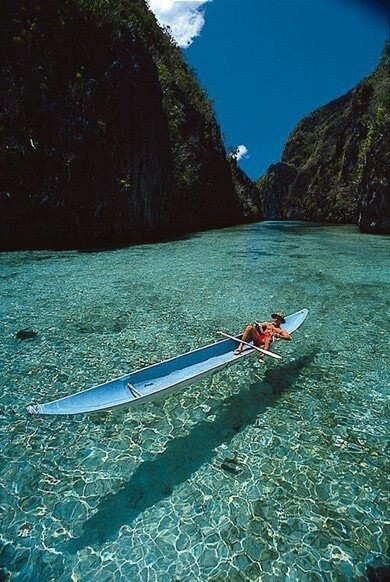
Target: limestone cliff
{"points": [[106, 136], [335, 164]]}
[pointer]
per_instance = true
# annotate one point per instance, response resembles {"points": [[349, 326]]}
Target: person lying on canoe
{"points": [[263, 334]]}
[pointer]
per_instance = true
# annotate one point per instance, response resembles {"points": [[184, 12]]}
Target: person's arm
{"points": [[261, 326], [282, 334]]}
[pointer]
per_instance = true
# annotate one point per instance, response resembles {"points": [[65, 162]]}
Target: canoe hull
{"points": [[125, 391], [157, 380]]}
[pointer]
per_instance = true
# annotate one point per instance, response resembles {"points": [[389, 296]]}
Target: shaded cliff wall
{"points": [[106, 137], [247, 192], [334, 166]]}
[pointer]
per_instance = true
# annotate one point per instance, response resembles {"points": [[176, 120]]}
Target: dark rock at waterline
{"points": [[374, 186], [24, 334], [106, 137], [335, 164]]}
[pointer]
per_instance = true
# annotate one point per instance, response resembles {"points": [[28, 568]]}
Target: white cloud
{"points": [[240, 152], [184, 18]]}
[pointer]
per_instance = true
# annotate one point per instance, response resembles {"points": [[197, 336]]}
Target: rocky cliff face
{"points": [[334, 166], [246, 191], [106, 137]]}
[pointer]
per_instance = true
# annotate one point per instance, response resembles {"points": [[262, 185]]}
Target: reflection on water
{"points": [[264, 471]]}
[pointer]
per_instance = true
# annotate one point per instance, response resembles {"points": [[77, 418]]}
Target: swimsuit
{"points": [[260, 338]]}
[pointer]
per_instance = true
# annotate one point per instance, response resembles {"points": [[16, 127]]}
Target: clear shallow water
{"points": [[265, 471]]}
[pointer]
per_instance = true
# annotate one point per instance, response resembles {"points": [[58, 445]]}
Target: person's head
{"points": [[278, 318]]}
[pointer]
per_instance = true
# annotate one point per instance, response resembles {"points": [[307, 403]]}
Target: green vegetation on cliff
{"points": [[106, 136], [334, 166]]}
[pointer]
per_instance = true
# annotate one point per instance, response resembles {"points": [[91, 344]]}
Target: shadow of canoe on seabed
{"points": [[155, 480]]}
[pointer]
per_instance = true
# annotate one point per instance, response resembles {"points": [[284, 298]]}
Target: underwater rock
{"points": [[25, 530], [229, 469], [24, 334]]}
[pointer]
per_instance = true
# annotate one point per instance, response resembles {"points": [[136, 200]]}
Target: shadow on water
{"points": [[137, 244], [155, 480]]}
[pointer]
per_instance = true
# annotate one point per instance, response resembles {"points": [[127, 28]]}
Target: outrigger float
{"points": [[162, 378]]}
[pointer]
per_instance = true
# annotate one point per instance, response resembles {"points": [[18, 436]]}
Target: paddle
{"points": [[240, 341]]}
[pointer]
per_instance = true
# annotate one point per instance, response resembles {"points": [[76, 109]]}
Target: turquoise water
{"points": [[270, 471]]}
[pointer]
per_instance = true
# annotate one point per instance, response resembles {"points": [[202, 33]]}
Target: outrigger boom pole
{"points": [[240, 341]]}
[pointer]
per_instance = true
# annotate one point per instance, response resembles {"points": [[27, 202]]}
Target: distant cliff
{"points": [[106, 136], [335, 164]]}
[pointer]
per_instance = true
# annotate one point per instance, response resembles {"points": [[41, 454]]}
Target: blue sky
{"points": [[268, 63]]}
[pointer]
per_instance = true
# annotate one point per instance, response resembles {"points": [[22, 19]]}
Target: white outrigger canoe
{"points": [[159, 379]]}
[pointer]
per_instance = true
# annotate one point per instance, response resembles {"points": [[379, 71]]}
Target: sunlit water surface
{"points": [[272, 471]]}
